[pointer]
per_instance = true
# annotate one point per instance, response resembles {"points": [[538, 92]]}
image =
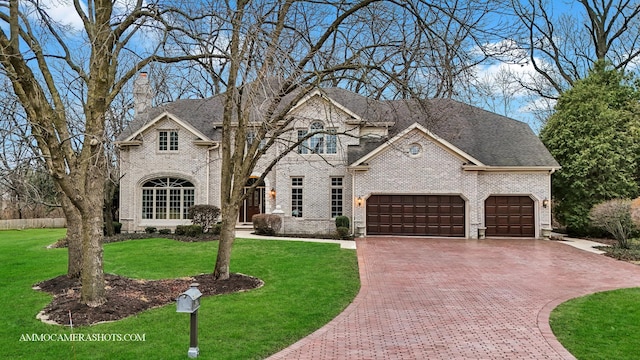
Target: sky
{"points": [[520, 104]]}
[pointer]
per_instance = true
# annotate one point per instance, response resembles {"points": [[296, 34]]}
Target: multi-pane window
{"points": [[332, 142], [303, 148], [336, 196], [167, 198], [317, 139], [296, 196], [251, 137], [168, 140], [320, 142]]}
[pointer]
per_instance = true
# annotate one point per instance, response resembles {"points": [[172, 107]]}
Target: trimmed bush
{"points": [[204, 215], [614, 216], [266, 224], [342, 221], [343, 233], [180, 230], [150, 230], [194, 230], [216, 229], [635, 212], [164, 231], [117, 227], [188, 230]]}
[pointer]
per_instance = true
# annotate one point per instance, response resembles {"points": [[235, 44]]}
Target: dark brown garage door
{"points": [[420, 215], [509, 216]]}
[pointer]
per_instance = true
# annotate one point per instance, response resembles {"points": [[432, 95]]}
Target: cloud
{"points": [[63, 12]]}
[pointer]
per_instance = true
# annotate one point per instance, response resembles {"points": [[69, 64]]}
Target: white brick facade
{"points": [[435, 168]]}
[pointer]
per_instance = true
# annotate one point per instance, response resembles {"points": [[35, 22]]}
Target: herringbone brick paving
{"points": [[460, 299]]}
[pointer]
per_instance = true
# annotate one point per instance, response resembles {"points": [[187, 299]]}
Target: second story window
{"points": [[321, 141], [168, 140]]}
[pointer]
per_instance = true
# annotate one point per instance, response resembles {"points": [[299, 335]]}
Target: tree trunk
{"points": [[74, 237], [227, 236], [93, 287], [110, 189]]}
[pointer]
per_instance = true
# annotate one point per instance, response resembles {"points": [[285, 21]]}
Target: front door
{"points": [[254, 203]]}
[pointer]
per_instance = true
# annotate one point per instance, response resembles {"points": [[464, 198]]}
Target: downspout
{"points": [[353, 203]]}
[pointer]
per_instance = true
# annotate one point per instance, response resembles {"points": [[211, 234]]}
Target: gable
{"points": [[163, 118], [399, 143]]}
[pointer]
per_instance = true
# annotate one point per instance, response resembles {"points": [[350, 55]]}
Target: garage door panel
{"points": [[510, 216], [430, 215]]}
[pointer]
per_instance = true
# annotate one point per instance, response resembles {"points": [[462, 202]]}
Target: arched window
{"points": [[321, 141], [167, 198]]}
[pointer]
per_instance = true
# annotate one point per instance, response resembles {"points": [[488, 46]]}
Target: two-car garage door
{"points": [[444, 215], [419, 215]]}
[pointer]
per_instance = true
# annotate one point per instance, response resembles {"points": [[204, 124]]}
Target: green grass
{"points": [[604, 325], [306, 285]]}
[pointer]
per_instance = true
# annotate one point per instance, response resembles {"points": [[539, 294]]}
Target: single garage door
{"points": [[419, 215], [509, 216]]}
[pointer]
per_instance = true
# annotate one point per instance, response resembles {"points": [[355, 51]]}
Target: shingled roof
{"points": [[493, 139]]}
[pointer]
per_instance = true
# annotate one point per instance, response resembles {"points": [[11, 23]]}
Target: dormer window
{"points": [[168, 140], [321, 142]]}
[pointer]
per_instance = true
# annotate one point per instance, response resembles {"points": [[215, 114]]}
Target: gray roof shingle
{"points": [[493, 139]]}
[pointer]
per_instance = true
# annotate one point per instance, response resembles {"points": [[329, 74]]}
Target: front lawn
{"points": [[604, 325], [306, 285]]}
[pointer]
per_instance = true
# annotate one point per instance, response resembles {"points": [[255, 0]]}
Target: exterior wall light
{"points": [[272, 193], [359, 201], [545, 203]]}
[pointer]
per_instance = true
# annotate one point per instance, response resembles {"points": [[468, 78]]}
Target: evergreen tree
{"points": [[595, 136]]}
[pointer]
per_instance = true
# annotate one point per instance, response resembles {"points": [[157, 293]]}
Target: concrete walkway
{"points": [[460, 299], [248, 234]]}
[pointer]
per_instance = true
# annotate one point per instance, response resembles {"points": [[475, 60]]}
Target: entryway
{"points": [[254, 203]]}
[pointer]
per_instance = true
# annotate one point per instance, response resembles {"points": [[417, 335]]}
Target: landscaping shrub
{"points": [[266, 224], [204, 215], [216, 229], [164, 231], [342, 221], [614, 216], [189, 230], [117, 227], [194, 230], [635, 212], [343, 233], [180, 230], [150, 230]]}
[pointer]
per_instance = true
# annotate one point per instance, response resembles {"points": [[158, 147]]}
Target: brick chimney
{"points": [[142, 94]]}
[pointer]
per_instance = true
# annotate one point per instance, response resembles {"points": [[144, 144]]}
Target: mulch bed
{"points": [[127, 297]]}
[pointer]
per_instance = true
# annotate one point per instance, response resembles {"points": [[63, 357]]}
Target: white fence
{"points": [[32, 223]]}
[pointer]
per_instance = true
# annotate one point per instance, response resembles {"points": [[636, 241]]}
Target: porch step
{"points": [[244, 226]]}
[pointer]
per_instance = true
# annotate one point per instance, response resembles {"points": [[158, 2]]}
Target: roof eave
{"points": [[488, 168]]}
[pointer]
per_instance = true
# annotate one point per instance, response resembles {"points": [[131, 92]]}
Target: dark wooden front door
{"points": [[418, 215], [511, 216], [253, 204]]}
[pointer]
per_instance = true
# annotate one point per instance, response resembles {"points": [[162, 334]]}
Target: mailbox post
{"points": [[189, 302]]}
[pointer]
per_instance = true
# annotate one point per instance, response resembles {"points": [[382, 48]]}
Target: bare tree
{"points": [[562, 47], [269, 55], [66, 78]]}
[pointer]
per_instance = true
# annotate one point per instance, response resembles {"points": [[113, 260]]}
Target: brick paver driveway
{"points": [[460, 299]]}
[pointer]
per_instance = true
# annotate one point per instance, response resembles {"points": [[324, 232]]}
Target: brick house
{"points": [[403, 167]]}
